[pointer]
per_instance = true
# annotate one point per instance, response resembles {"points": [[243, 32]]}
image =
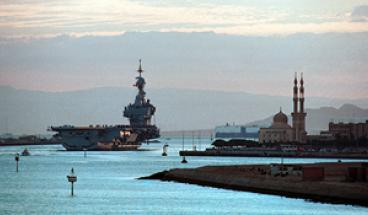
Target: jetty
{"points": [[276, 153], [340, 182]]}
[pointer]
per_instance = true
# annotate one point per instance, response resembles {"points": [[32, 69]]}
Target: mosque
{"points": [[280, 131]]}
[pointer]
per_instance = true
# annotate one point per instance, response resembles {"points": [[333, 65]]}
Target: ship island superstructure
{"points": [[114, 137]]}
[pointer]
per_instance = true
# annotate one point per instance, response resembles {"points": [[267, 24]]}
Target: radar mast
{"points": [[141, 111]]}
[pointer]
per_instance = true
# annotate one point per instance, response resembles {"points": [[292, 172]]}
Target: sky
{"points": [[95, 17], [42, 42]]}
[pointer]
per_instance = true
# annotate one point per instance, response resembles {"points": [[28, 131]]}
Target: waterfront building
{"points": [[324, 136], [280, 130], [351, 131]]}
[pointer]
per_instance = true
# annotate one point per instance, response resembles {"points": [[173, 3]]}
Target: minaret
{"points": [[294, 114], [295, 97], [301, 99], [302, 114]]}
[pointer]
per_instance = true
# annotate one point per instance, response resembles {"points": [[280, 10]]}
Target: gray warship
{"points": [[114, 137]]}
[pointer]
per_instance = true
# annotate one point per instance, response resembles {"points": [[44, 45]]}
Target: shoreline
{"points": [[29, 144], [241, 178], [273, 154]]}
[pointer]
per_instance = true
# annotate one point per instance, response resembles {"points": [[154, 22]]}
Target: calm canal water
{"points": [[107, 185]]}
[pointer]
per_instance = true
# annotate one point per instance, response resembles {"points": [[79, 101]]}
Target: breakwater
{"points": [[268, 153], [334, 186]]}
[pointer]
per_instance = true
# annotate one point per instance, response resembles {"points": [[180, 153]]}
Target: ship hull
{"points": [[101, 147], [104, 138]]}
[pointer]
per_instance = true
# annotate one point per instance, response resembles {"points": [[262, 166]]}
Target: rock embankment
{"points": [[261, 179], [271, 153]]}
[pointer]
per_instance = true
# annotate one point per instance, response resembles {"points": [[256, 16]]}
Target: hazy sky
{"points": [[44, 60], [50, 17]]}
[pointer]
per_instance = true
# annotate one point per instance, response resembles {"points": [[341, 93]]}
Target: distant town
{"points": [[341, 140]]}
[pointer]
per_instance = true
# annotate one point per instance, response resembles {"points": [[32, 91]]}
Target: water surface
{"points": [[107, 185]]}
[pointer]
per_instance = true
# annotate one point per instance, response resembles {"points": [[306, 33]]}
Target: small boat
{"points": [[26, 152], [118, 145]]}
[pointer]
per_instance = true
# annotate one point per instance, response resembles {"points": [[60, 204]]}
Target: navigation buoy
{"points": [[164, 150], [72, 178], [184, 160], [17, 160]]}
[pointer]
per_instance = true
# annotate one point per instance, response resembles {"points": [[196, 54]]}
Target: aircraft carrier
{"points": [[114, 137]]}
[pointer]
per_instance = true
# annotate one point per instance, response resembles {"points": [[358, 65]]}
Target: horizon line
{"points": [[173, 88], [78, 35]]}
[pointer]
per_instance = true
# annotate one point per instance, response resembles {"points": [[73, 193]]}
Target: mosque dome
{"points": [[280, 117], [280, 121]]}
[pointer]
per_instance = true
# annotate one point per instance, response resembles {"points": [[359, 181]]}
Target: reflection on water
{"points": [[107, 185]]}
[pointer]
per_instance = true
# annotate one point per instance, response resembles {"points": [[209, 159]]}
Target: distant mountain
{"points": [[23, 111], [318, 119], [334, 64]]}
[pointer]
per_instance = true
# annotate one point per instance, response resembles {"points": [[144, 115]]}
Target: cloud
{"points": [[54, 17], [281, 29], [336, 62], [360, 14]]}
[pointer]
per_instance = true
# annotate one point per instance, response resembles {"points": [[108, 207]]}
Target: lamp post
{"points": [[72, 178], [17, 160]]}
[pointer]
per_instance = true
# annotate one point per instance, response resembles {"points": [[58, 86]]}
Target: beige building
{"points": [[351, 131], [280, 130]]}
